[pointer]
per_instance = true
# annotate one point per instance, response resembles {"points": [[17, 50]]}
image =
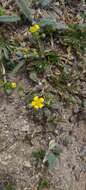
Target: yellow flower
{"points": [[34, 28], [13, 85], [25, 50], [38, 102]]}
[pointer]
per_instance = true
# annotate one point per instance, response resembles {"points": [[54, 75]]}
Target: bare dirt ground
{"points": [[15, 149]]}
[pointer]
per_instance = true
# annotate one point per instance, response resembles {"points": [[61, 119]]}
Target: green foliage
{"points": [[2, 11], [65, 76], [6, 48], [52, 154], [52, 23], [24, 6], [43, 183], [33, 77], [53, 57], [6, 18], [76, 37], [38, 154], [7, 88], [9, 19], [44, 3], [9, 187], [17, 67], [41, 66]]}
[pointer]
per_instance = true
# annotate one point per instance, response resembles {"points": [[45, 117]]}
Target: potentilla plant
{"points": [[40, 108], [35, 30]]}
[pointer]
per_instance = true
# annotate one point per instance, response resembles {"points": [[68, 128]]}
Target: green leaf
{"points": [[18, 67], [33, 77], [51, 159], [38, 154], [5, 51], [54, 106], [44, 3], [24, 6], [9, 19], [2, 11], [8, 91], [43, 184], [52, 154], [53, 23], [9, 187]]}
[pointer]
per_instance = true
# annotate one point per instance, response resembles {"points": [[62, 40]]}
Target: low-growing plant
{"points": [[25, 8], [9, 187], [52, 154], [2, 11], [75, 37], [38, 154], [43, 183], [9, 19]]}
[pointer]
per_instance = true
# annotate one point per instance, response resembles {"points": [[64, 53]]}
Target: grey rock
{"points": [[1, 187], [83, 152]]}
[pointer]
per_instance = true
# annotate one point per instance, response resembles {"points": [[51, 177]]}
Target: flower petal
{"points": [[36, 106], [34, 28], [41, 105], [41, 100], [33, 103], [13, 85], [36, 98]]}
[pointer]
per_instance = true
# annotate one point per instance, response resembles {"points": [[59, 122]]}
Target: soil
{"points": [[15, 149], [20, 136]]}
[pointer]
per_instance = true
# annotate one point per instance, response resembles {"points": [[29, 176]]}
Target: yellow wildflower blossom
{"points": [[34, 28], [25, 50], [38, 102], [13, 85]]}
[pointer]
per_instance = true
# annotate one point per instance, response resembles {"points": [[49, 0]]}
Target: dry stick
{"points": [[52, 42], [4, 73]]}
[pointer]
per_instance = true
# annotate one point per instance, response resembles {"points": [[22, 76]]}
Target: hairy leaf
{"points": [[24, 6], [33, 77], [51, 158], [18, 67], [45, 3], [52, 154], [51, 22], [9, 19]]}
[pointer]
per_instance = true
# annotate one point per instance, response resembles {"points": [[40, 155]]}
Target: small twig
{"points": [[3, 73], [52, 42]]}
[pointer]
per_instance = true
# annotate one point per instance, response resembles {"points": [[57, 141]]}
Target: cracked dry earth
{"points": [[15, 152]]}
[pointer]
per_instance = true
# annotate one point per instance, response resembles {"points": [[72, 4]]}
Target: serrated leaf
{"points": [[24, 6], [9, 19]]}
